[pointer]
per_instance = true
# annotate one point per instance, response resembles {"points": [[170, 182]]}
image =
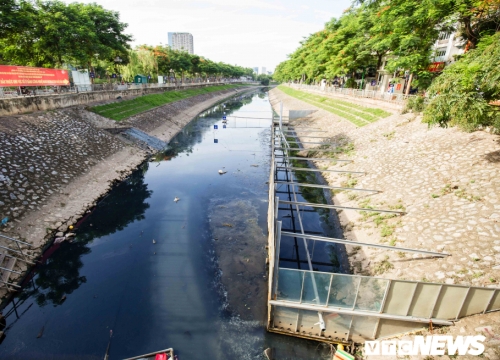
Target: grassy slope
{"points": [[124, 109], [357, 114]]}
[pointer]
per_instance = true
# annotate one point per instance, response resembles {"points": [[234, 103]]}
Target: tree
{"points": [[264, 79], [13, 16], [461, 95], [50, 33]]}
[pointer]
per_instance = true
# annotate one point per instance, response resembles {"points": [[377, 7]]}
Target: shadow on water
{"points": [[59, 275]]}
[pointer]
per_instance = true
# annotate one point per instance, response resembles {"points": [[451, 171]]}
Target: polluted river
{"points": [[146, 273]]}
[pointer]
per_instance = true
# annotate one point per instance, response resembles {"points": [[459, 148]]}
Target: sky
{"points": [[249, 33]]}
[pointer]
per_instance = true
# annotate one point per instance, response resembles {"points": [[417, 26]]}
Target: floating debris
{"points": [[40, 334], [59, 240], [176, 199], [154, 241], [222, 172]]}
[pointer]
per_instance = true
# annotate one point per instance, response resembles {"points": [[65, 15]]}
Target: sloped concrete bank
{"points": [[448, 183], [55, 165]]}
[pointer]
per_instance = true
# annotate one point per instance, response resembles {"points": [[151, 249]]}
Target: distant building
{"points": [[263, 70], [444, 50], [181, 41], [446, 47], [256, 70]]}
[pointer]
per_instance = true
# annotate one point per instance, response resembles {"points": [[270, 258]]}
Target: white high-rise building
{"points": [[181, 41], [263, 70]]}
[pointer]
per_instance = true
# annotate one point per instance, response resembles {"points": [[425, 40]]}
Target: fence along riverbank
{"points": [[347, 309]]}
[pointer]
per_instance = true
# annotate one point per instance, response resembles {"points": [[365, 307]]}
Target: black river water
{"points": [[156, 273]]}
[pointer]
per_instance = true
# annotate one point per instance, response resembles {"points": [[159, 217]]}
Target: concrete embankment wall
{"points": [[21, 105], [55, 165]]}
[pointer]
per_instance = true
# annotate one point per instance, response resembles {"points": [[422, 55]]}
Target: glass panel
{"points": [[495, 302], [399, 298], [449, 302], [476, 301], [363, 328], [322, 286], [337, 326], [289, 284], [308, 323], [343, 291], [371, 294], [424, 299], [285, 319]]}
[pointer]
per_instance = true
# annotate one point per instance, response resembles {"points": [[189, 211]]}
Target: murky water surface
{"points": [[189, 274]]}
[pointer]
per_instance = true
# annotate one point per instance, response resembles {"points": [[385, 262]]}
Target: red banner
{"points": [[30, 76], [436, 66]]}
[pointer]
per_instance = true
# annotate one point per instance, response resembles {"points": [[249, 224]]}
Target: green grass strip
{"points": [[365, 116], [123, 109], [354, 113], [342, 111]]}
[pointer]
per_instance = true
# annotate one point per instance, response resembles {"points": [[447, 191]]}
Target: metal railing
{"points": [[26, 257], [369, 94], [348, 308], [19, 254], [11, 92]]}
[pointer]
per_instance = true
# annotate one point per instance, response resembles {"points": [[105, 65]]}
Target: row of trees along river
{"points": [[87, 36], [403, 32]]}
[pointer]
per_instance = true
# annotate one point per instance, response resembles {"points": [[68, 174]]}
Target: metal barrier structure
{"points": [[9, 257], [343, 308]]}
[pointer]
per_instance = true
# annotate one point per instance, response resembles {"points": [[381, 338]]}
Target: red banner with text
{"points": [[30, 76]]}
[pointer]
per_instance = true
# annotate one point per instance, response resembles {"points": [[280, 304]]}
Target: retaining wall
{"points": [[20, 105]]}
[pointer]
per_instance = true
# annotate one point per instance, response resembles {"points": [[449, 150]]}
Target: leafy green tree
{"points": [[50, 33], [461, 95], [264, 79], [14, 16]]}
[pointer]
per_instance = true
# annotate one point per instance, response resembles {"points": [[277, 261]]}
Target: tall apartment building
{"points": [[181, 41], [256, 70], [263, 70]]}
